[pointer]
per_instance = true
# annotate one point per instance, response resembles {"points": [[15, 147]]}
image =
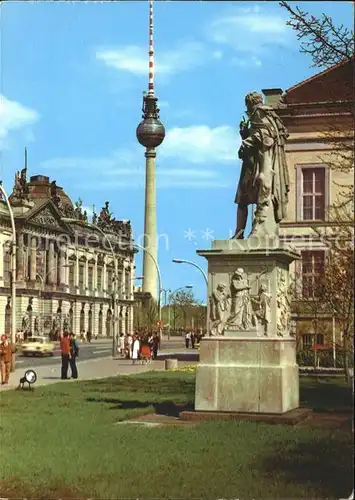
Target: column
{"points": [[123, 318], [76, 271], [86, 273], [104, 278], [51, 264], [94, 278], [19, 257], [150, 226], [123, 284], [1, 263], [33, 259], [62, 268], [130, 319]]}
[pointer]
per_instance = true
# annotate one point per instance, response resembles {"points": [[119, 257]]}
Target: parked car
{"points": [[40, 346]]}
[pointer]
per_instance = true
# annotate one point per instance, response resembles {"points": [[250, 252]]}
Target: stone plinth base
{"points": [[292, 417], [247, 375]]}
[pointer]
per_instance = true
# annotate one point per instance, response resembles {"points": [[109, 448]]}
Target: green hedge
{"points": [[306, 358]]}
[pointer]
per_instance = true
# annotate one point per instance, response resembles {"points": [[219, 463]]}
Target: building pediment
{"points": [[47, 216], [332, 85]]}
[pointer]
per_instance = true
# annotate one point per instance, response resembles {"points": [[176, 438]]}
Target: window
{"points": [[7, 265], [307, 340], [109, 280], [71, 274], [312, 271], [320, 339], [90, 277], [81, 276], [313, 193], [99, 278]]}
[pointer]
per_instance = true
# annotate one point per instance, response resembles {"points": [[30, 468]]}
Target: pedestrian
{"points": [[5, 359], [65, 352], [74, 353], [187, 339], [88, 337], [155, 345], [129, 342], [193, 338], [135, 349], [121, 345]]}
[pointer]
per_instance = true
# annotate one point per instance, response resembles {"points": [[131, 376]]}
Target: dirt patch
{"points": [[13, 488], [158, 420], [328, 420]]}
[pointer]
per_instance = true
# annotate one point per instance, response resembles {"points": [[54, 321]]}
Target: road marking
{"points": [[102, 350]]}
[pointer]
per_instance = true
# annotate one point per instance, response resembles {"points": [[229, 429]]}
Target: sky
{"points": [[72, 77]]}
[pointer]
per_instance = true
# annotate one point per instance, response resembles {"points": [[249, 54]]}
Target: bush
{"points": [[306, 358]]}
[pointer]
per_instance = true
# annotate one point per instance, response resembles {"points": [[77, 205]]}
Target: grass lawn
{"points": [[62, 441]]}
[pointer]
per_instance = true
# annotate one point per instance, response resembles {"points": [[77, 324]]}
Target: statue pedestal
{"points": [[247, 375], [248, 363]]}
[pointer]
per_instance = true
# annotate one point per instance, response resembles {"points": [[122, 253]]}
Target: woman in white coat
{"points": [[135, 349]]}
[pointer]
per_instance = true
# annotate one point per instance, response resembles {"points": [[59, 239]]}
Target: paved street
{"points": [[97, 349]]}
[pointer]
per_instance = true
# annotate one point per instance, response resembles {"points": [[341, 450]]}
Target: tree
{"points": [[329, 44], [326, 43]]}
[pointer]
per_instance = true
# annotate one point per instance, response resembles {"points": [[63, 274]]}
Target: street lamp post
{"points": [[13, 276], [140, 247], [182, 261]]}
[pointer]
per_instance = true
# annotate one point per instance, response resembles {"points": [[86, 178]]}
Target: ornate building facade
{"points": [[71, 273], [318, 114]]}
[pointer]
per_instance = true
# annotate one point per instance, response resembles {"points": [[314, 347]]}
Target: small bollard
{"points": [[171, 364]]}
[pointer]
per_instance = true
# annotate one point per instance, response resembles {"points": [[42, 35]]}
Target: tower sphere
{"points": [[150, 132]]}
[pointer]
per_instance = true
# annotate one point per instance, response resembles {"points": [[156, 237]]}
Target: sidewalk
{"points": [[88, 370]]}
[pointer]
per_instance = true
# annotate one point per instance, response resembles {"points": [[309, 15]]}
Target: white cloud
{"points": [[217, 54], [249, 29], [14, 116], [134, 59], [200, 144]]}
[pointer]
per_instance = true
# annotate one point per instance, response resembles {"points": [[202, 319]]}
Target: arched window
{"points": [[7, 265], [109, 323], [8, 318], [71, 319], [82, 319], [90, 320], [100, 329]]}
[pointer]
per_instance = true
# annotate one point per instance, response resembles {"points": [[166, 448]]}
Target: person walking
{"points": [[5, 359], [193, 339], [187, 339], [155, 345], [121, 345], [74, 353], [135, 349], [65, 352]]}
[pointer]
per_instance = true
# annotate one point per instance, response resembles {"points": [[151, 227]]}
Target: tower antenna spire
{"points": [[151, 50], [25, 158]]}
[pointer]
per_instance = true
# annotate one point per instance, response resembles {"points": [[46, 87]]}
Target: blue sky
{"points": [[72, 76]]}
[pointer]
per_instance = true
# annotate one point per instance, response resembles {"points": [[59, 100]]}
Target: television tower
{"points": [[150, 133]]}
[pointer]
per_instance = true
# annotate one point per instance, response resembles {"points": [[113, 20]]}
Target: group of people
{"points": [[141, 346], [70, 351], [193, 338]]}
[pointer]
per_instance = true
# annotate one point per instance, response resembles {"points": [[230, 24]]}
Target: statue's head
{"points": [[253, 99], [239, 273], [263, 288], [221, 287]]}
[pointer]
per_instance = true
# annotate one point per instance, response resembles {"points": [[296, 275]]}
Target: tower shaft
{"points": [[150, 226]]}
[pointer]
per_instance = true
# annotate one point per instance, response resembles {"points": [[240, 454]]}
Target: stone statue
{"points": [[283, 302], [241, 315], [55, 196], [65, 325], [263, 309], [264, 178], [21, 190], [219, 309]]}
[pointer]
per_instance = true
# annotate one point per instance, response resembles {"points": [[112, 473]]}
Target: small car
{"points": [[40, 346]]}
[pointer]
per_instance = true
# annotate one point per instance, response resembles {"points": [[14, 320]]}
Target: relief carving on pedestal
{"points": [[242, 316], [220, 303], [262, 305], [283, 303]]}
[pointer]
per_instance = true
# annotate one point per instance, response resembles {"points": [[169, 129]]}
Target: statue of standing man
{"points": [[264, 178]]}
